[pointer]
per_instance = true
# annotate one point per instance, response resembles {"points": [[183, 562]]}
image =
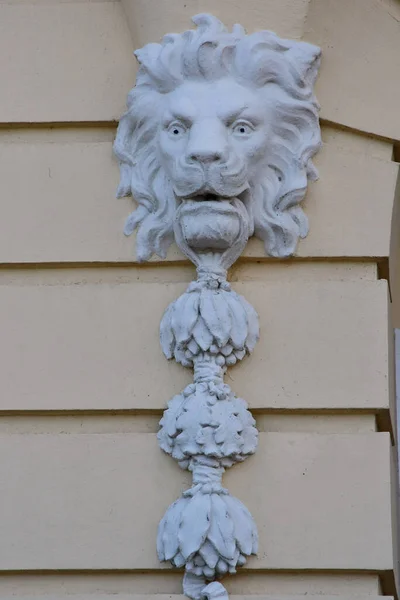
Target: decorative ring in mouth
{"points": [[208, 207]]}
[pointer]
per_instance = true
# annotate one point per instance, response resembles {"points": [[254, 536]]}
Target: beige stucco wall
{"points": [[83, 483]]}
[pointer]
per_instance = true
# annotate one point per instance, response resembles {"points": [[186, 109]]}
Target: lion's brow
{"points": [[183, 115], [227, 116], [231, 115]]}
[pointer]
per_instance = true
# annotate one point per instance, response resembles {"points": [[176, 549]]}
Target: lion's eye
{"points": [[242, 128], [176, 129]]}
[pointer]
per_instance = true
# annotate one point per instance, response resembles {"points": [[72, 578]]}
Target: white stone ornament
{"points": [[216, 146]]}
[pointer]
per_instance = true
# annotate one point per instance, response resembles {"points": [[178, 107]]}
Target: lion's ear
{"points": [[306, 58]]}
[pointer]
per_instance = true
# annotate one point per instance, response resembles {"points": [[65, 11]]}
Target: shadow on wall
{"points": [[394, 282], [394, 314]]}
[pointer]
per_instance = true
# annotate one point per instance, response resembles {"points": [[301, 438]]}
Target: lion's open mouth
{"points": [[206, 198], [211, 197]]}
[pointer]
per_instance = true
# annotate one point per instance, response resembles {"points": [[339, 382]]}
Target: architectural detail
{"points": [[216, 146]]}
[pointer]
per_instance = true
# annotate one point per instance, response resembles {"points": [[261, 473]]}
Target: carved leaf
{"points": [[195, 524], [179, 355], [165, 442], [249, 433], [239, 329], [202, 335], [249, 440], [174, 410], [227, 434], [172, 522], [243, 524], [179, 560], [206, 439], [216, 315], [184, 316], [253, 329], [221, 530], [177, 453], [224, 316], [176, 314], [209, 554]]}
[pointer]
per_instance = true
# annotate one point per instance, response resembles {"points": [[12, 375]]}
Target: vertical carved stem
{"points": [[207, 429]]}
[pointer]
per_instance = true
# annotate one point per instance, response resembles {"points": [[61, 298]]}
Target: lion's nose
{"points": [[206, 156], [207, 142]]}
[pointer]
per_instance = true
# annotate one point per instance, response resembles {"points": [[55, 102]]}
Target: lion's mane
{"points": [[209, 53]]}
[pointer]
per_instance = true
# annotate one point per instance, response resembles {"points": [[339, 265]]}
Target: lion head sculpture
{"points": [[215, 116]]}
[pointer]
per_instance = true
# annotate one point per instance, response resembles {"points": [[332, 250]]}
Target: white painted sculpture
{"points": [[216, 146]]}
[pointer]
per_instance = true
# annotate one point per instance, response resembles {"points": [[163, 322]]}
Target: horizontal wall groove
{"points": [[362, 132], [41, 125], [57, 124], [276, 581], [159, 262], [163, 568], [151, 411], [165, 272], [244, 259], [127, 423], [164, 585]]}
